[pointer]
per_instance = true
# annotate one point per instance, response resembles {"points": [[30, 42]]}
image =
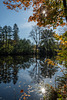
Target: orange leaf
{"points": [[21, 91], [14, 6], [17, 0], [24, 8], [65, 86], [8, 7], [4, 2], [24, 98], [51, 87]]}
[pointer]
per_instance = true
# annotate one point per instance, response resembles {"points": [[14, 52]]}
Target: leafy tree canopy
{"points": [[44, 11]]}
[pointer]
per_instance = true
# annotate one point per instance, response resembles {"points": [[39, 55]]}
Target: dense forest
{"points": [[10, 43]]}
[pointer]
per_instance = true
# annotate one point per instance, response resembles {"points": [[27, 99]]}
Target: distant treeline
{"points": [[10, 43]]}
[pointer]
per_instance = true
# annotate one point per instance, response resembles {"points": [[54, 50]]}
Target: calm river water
{"points": [[21, 77]]}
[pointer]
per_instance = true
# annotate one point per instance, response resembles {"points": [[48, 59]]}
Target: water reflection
{"points": [[41, 70], [9, 68], [21, 73]]}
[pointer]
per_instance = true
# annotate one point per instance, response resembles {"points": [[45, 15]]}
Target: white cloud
{"points": [[60, 30], [27, 25]]}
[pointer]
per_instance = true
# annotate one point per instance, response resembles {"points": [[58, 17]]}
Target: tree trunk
{"points": [[65, 8]]}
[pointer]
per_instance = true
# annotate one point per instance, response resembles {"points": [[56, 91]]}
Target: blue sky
{"points": [[10, 17]]}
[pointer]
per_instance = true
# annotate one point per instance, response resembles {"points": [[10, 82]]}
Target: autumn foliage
{"points": [[54, 10]]}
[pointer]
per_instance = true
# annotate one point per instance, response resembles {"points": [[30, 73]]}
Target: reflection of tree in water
{"points": [[5, 74], [8, 73], [14, 74], [9, 67], [35, 71], [47, 70], [41, 70]]}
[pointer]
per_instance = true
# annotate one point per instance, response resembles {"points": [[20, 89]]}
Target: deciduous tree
{"points": [[44, 11]]}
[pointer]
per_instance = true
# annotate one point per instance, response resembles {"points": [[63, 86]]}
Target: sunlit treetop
{"points": [[44, 11]]}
